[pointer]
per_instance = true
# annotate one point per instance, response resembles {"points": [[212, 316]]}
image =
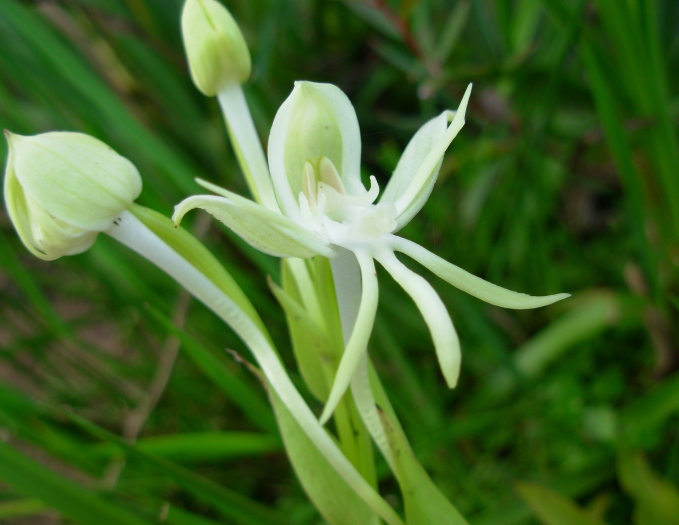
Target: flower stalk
{"points": [[247, 145]]}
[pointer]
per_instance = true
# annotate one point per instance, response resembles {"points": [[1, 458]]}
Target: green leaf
{"points": [[552, 508], [227, 502], [651, 410], [313, 350], [656, 501], [239, 392], [201, 446], [177, 516], [424, 502], [30, 478], [333, 497], [589, 315], [21, 507]]}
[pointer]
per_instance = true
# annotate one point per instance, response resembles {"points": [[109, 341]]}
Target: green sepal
{"points": [[191, 249]]}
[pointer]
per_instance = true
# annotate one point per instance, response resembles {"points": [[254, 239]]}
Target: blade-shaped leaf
{"points": [[332, 496], [552, 508], [424, 502], [656, 502], [33, 479]]}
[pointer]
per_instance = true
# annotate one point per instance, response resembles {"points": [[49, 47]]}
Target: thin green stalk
{"points": [[247, 145]]}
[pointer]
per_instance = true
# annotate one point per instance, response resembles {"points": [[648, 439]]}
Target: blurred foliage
{"points": [[565, 178]]}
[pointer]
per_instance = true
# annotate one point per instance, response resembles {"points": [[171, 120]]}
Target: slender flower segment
{"points": [[62, 189], [314, 161], [220, 63]]}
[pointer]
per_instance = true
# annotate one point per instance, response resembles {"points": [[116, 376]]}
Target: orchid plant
{"points": [[314, 160], [310, 208]]}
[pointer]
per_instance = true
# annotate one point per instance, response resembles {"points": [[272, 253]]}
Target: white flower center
{"points": [[339, 217]]}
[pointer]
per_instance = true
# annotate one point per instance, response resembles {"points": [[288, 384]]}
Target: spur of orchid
{"points": [[314, 203]]}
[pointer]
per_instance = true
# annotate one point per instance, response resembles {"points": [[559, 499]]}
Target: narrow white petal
{"points": [[358, 342], [414, 155], [433, 310], [346, 274], [469, 283], [265, 230], [429, 165], [367, 408]]}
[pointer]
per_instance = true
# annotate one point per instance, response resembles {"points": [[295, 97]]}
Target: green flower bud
{"points": [[62, 189], [215, 47]]}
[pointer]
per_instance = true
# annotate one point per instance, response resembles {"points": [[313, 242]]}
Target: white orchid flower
{"points": [[314, 161]]}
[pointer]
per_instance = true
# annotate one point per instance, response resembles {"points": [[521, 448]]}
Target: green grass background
{"points": [[564, 179]]}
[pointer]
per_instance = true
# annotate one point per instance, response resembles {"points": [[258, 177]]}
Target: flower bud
{"points": [[215, 47], [62, 189]]}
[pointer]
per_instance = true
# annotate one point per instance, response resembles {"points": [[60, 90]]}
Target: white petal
{"points": [[316, 120], [469, 283], [417, 150], [433, 310], [265, 230], [411, 196], [358, 342], [365, 403]]}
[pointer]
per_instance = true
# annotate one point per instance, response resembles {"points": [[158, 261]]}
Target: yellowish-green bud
{"points": [[215, 47], [62, 189]]}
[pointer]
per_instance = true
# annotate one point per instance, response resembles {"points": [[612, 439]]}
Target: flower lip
{"points": [[342, 218]]}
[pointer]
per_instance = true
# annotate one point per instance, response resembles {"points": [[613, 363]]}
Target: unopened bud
{"points": [[215, 47], [62, 189]]}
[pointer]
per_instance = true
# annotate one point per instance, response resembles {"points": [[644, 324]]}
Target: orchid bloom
{"points": [[314, 160]]}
